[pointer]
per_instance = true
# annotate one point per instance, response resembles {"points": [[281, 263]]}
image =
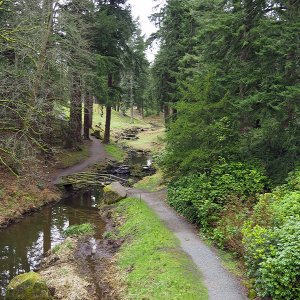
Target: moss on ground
{"points": [[28, 286], [115, 152], [69, 158], [153, 265]]}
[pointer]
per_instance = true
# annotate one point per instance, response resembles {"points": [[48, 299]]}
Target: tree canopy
{"points": [[232, 70]]}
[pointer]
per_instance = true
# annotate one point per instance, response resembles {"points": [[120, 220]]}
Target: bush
{"points": [[202, 198], [272, 242], [273, 259], [228, 231]]}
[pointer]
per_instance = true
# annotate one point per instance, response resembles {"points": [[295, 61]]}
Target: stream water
{"points": [[23, 244]]}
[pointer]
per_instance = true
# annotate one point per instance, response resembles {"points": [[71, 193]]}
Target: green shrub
{"points": [[272, 242], [273, 259], [228, 231], [202, 197], [81, 229]]}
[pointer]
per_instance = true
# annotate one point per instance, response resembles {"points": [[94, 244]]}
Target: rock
{"points": [[125, 169], [28, 286], [114, 193], [96, 134]]}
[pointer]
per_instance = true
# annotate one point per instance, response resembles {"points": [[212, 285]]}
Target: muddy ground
{"points": [[82, 268]]}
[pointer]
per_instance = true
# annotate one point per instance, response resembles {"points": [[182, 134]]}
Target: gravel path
{"points": [[220, 283], [97, 153]]}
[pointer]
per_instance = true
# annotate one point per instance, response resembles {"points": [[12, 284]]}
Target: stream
{"points": [[22, 245]]}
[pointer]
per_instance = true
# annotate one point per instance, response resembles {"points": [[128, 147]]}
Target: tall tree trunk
{"points": [[76, 114], [108, 112], [48, 21], [86, 127], [131, 99], [166, 113], [40, 84], [91, 110], [174, 114], [107, 125]]}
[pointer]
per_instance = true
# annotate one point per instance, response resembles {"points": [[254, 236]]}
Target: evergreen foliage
{"points": [[230, 72], [234, 74], [55, 56]]}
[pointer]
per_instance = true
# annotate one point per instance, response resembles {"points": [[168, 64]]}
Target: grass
{"points": [[151, 183], [149, 140], [115, 151], [70, 158], [154, 266], [81, 229], [117, 121]]}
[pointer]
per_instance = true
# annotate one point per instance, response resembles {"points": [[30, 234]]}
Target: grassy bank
{"points": [[118, 122], [151, 183], [69, 158], [152, 264], [115, 152], [18, 197], [152, 138]]}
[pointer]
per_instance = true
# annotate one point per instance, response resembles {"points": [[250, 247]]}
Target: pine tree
{"points": [[113, 28]]}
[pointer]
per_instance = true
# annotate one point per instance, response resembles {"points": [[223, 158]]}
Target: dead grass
{"points": [[68, 272], [63, 275], [20, 196], [150, 140]]}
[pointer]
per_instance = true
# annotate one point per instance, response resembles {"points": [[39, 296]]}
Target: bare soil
{"points": [[83, 269]]}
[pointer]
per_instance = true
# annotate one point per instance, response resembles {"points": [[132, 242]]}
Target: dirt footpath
{"points": [[97, 154], [221, 284]]}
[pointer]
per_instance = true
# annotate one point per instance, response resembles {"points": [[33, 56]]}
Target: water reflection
{"points": [[22, 245], [138, 159]]}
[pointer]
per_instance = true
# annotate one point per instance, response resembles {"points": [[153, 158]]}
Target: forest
{"points": [[226, 83]]}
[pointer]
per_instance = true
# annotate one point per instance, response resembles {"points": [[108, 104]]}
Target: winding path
{"points": [[221, 284], [97, 153]]}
